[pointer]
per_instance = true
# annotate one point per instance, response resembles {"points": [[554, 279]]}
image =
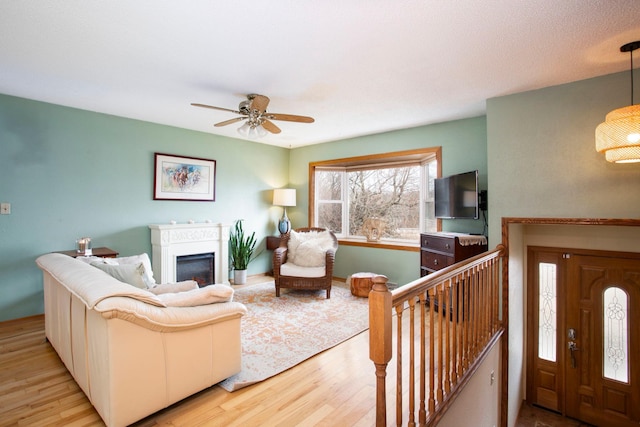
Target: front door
{"points": [[583, 340]]}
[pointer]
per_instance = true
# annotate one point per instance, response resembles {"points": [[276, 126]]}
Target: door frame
{"points": [[506, 222]]}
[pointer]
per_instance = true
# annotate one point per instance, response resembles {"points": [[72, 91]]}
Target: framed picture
{"points": [[184, 178]]}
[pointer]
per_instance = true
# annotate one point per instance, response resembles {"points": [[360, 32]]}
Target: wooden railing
{"points": [[457, 323]]}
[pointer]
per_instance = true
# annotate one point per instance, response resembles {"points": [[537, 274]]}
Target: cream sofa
{"points": [[130, 353]]}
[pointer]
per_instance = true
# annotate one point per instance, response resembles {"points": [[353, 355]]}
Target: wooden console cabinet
{"points": [[440, 250]]}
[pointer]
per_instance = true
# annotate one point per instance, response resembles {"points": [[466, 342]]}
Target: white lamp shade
{"points": [[284, 197]]}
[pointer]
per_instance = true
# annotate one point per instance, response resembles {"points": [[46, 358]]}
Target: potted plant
{"points": [[241, 249]]}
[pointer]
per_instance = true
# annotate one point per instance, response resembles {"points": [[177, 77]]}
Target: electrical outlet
{"points": [[5, 208]]}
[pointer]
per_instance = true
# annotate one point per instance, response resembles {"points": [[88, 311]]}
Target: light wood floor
{"points": [[334, 388]]}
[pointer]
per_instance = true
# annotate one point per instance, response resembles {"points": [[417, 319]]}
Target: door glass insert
{"points": [[547, 311], [615, 343]]}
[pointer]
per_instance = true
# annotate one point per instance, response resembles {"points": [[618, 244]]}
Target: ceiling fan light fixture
{"points": [[244, 129], [262, 132], [618, 137], [252, 130]]}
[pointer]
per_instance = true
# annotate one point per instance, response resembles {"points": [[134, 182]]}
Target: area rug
{"points": [[279, 333]]}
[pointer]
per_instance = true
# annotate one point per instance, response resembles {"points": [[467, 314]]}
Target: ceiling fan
{"points": [[254, 111]]}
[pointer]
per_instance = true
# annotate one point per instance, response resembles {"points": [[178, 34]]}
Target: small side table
{"points": [[99, 252], [273, 242], [361, 284]]}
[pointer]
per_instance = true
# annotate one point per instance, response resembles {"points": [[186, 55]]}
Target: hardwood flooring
{"points": [[533, 416], [333, 388]]}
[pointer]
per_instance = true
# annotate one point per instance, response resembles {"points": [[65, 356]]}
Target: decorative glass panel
{"points": [[547, 311], [616, 325]]}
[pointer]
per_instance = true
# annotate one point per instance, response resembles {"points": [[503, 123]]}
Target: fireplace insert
{"points": [[198, 267]]}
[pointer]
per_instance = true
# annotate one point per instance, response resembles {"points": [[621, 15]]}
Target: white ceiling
{"points": [[358, 67]]}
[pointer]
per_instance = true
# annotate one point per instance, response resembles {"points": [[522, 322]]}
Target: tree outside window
{"points": [[384, 198]]}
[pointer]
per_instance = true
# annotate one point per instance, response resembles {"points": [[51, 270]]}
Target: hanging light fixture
{"points": [[619, 135]]}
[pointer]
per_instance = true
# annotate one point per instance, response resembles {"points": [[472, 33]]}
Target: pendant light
{"points": [[619, 135]]}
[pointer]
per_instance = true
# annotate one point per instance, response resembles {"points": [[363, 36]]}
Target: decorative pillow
{"points": [[167, 288], [132, 274], [292, 245], [307, 249], [201, 296], [135, 259]]}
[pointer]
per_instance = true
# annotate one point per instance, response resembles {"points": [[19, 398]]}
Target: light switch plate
{"points": [[5, 208]]}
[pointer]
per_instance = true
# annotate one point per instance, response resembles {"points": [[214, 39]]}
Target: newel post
{"points": [[380, 341]]}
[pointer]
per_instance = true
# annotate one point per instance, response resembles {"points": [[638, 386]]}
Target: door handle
{"points": [[572, 349]]}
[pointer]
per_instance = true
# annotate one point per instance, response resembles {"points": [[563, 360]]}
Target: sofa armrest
{"points": [[168, 319]]}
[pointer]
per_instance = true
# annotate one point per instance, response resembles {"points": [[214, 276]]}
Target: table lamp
{"points": [[284, 197]]}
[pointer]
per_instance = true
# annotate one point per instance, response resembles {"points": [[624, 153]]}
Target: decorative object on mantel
{"points": [[619, 135], [373, 228], [84, 245], [284, 197], [184, 178], [241, 249]]}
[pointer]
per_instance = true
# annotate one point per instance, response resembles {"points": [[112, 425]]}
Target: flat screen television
{"points": [[456, 196]]}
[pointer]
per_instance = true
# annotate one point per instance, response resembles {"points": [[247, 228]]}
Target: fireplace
{"points": [[198, 267], [171, 241]]}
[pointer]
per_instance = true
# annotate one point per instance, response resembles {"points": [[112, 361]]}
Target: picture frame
{"points": [[184, 178]]}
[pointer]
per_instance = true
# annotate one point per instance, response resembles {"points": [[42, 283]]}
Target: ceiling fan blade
{"points": [[215, 108], [290, 118], [228, 122], [270, 126], [259, 102]]}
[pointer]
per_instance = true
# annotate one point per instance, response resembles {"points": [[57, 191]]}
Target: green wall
{"points": [[70, 173], [542, 157], [463, 145], [543, 163]]}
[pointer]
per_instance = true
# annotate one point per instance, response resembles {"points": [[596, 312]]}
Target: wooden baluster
{"points": [[444, 311], [399, 353], [455, 358], [473, 303], [380, 344], [412, 365], [467, 322], [432, 400], [423, 355], [447, 335], [487, 300], [498, 292]]}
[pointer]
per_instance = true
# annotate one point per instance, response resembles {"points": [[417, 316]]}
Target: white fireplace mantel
{"points": [[170, 241]]}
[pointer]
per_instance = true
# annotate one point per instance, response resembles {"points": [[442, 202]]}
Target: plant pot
{"points": [[239, 277]]}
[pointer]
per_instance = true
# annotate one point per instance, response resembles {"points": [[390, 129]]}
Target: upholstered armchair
{"points": [[304, 259]]}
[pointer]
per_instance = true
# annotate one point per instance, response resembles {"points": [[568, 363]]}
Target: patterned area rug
{"points": [[279, 333]]}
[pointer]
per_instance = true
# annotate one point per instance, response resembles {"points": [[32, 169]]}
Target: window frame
{"points": [[383, 159]]}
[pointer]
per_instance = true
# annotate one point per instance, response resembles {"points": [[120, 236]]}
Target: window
{"points": [[386, 197]]}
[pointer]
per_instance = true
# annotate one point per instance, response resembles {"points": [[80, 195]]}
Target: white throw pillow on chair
{"points": [[307, 249]]}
